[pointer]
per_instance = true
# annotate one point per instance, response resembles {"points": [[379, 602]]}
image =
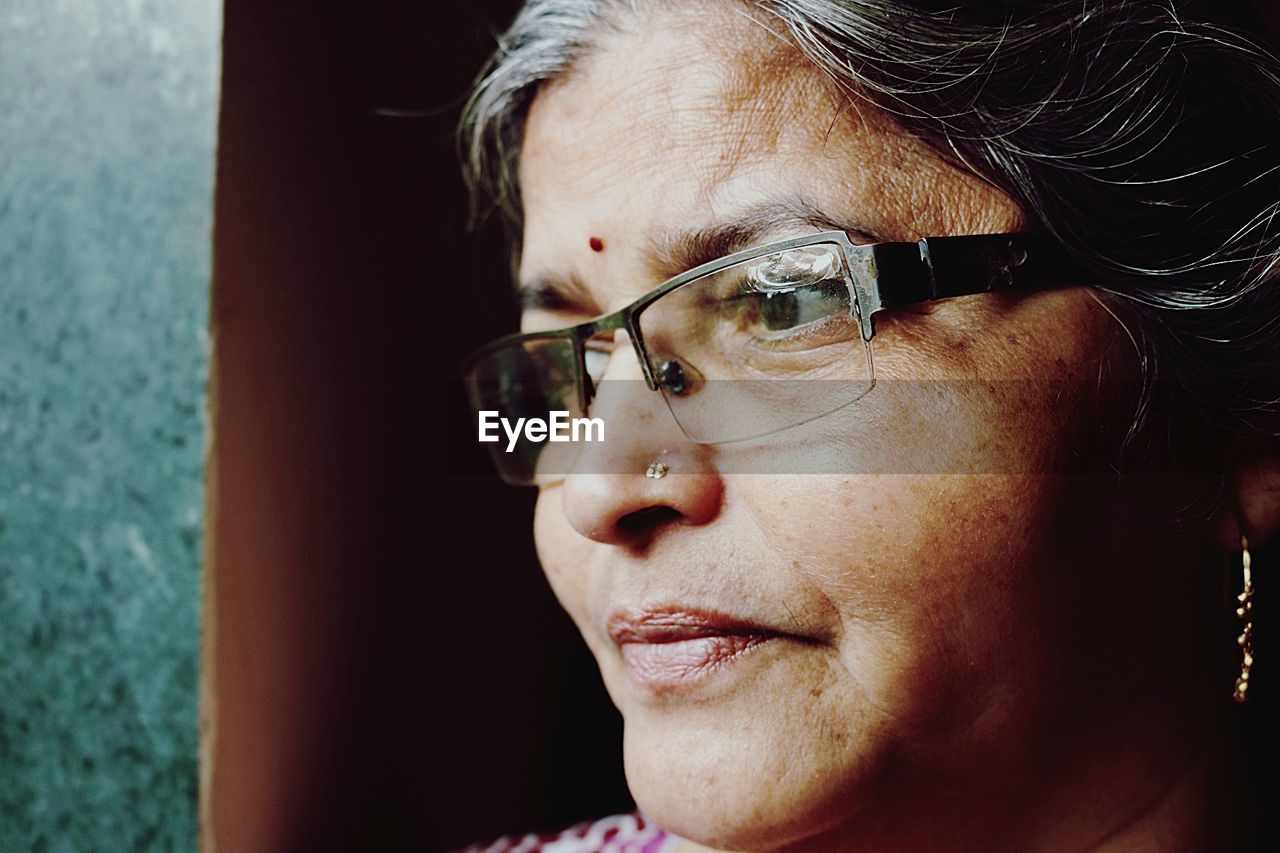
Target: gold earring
{"points": [[656, 470], [1245, 613]]}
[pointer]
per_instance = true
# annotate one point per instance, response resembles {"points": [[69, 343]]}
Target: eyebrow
{"points": [[551, 293], [674, 251]]}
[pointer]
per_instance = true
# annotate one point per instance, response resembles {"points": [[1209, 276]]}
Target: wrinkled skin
{"points": [[972, 661]]}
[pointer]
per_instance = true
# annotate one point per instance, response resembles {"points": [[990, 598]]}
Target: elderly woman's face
{"points": [[803, 654]]}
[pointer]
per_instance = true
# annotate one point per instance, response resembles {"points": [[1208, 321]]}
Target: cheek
{"points": [[562, 553], [935, 583], [942, 550], [885, 548]]}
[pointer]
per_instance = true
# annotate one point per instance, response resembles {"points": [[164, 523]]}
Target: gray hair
{"points": [[1144, 138]]}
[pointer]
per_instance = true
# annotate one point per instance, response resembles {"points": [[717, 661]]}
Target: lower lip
{"points": [[683, 663]]}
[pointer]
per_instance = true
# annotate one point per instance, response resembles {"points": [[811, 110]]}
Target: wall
{"points": [[107, 116]]}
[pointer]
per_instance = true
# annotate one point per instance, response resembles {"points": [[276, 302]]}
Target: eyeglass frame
{"points": [[926, 270]]}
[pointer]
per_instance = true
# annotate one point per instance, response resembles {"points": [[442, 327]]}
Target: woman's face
{"points": [[842, 654]]}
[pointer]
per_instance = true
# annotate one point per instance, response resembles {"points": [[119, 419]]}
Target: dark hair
{"points": [[1144, 136]]}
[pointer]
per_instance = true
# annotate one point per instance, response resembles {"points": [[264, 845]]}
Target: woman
{"points": [[901, 543]]}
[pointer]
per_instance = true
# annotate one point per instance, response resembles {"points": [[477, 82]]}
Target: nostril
{"points": [[643, 522]]}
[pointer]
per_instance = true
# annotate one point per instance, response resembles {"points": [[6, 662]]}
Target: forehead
{"points": [[681, 116], [665, 88]]}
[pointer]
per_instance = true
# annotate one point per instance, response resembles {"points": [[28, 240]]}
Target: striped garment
{"points": [[626, 833]]}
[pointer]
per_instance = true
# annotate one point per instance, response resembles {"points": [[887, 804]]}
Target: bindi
{"points": [[596, 244]]}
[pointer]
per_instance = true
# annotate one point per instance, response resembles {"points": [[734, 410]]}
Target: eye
{"points": [[793, 289], [784, 310], [672, 377], [782, 313]]}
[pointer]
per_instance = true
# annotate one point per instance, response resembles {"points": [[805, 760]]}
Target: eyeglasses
{"points": [[745, 346]]}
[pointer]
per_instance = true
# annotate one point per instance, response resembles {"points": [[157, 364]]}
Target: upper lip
{"points": [[674, 624]]}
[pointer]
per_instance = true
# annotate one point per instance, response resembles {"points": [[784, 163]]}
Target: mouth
{"points": [[667, 649]]}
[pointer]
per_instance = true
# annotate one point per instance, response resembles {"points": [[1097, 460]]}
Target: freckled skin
{"points": [[976, 668]]}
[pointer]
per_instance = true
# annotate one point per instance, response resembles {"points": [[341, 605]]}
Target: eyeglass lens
{"points": [[760, 346], [751, 349]]}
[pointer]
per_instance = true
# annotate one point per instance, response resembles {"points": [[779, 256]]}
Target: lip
{"points": [[670, 648]]}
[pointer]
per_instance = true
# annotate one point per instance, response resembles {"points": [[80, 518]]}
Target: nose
{"points": [[647, 476]]}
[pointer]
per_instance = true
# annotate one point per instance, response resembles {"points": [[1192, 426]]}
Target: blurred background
{"points": [[386, 667], [108, 121]]}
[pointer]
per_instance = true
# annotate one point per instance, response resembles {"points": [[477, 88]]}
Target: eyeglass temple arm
{"points": [[942, 267]]}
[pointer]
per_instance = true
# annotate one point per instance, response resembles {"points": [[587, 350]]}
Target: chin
{"points": [[747, 772]]}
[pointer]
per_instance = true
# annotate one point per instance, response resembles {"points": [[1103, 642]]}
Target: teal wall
{"points": [[107, 127]]}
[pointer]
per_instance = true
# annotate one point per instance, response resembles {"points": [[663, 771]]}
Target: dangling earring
{"points": [[1245, 613]]}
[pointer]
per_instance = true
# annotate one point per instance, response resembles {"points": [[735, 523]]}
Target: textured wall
{"points": [[107, 127]]}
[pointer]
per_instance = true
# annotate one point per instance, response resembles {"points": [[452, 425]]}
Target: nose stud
{"points": [[656, 470]]}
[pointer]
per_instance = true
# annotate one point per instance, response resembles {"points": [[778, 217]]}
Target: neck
{"points": [[1209, 806]]}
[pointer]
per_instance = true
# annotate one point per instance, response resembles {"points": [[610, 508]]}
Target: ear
{"points": [[1252, 505]]}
